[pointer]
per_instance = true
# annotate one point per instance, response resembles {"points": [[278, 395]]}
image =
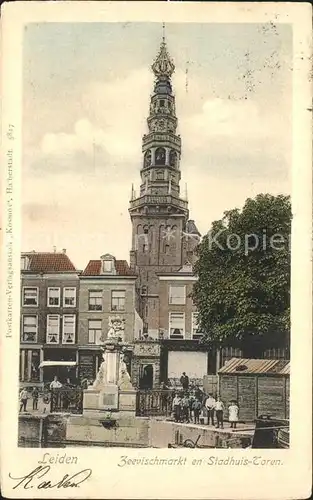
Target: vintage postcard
{"points": [[156, 292]]}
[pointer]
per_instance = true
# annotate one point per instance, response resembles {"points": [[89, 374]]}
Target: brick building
{"points": [[49, 307], [106, 300]]}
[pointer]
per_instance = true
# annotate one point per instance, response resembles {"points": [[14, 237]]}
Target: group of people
{"points": [[188, 405], [24, 396], [33, 393]]}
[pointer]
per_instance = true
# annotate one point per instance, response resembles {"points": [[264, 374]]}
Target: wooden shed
{"points": [[260, 386]]}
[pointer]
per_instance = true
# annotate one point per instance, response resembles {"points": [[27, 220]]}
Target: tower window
{"points": [[160, 175], [147, 158], [173, 158], [160, 156], [162, 102]]}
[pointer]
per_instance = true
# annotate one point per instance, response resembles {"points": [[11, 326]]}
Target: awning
{"points": [[43, 364]]}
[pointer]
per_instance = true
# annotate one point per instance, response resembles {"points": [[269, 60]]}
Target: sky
{"points": [[86, 95]]}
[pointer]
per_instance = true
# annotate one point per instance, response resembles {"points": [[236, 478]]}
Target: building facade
{"points": [[163, 238], [106, 305], [49, 311]]}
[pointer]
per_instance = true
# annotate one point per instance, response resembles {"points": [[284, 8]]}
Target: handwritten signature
{"points": [[67, 481]]}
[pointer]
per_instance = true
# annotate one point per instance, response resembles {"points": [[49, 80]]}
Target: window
{"points": [[68, 329], [173, 158], [95, 300], [29, 365], [107, 266], [53, 328], [196, 334], [118, 300], [54, 297], [69, 297], [177, 325], [29, 328], [94, 331], [160, 156], [30, 296], [24, 263], [177, 294], [159, 175]]}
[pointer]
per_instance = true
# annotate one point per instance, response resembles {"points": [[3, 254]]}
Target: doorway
{"points": [[146, 377]]}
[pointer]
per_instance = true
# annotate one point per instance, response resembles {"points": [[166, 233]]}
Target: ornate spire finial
{"points": [[163, 64]]}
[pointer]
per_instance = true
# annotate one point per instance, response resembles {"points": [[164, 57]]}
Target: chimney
{"points": [[54, 249], [63, 250]]}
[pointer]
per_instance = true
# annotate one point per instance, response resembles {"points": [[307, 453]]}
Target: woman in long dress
{"points": [[233, 414]]}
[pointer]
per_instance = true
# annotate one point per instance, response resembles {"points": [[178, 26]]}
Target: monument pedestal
{"points": [[109, 405], [112, 390]]}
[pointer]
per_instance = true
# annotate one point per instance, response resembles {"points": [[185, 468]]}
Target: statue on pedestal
{"points": [[124, 381], [116, 328], [101, 375]]}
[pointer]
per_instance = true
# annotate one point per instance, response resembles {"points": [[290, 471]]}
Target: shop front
{"points": [[61, 363], [30, 358]]}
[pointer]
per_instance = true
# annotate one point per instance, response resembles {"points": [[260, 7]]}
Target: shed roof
{"points": [[238, 366]]}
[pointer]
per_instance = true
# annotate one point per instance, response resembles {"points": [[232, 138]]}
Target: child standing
{"points": [[196, 406], [177, 407], [233, 414], [219, 412]]}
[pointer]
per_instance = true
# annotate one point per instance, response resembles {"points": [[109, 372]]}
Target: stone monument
{"points": [[112, 389]]}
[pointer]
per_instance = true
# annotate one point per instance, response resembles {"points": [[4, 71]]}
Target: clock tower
{"points": [[158, 212]]}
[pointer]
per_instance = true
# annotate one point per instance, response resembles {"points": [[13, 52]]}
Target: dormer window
{"points": [[108, 264], [24, 263]]}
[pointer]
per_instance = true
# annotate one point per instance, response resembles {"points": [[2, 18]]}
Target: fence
{"points": [[154, 403], [66, 400]]}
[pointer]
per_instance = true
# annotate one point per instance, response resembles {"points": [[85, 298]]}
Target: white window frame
{"points": [[94, 342], [169, 325], [194, 334], [118, 309], [101, 304], [37, 296], [180, 302], [22, 329], [47, 330], [53, 288], [64, 296], [107, 263], [74, 328], [24, 263]]}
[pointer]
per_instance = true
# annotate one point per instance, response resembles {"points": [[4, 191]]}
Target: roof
{"points": [[49, 262], [191, 228], [265, 366], [94, 268]]}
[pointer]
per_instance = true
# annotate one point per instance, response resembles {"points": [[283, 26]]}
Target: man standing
{"points": [[210, 406], [184, 380], [55, 384], [35, 395], [185, 408], [23, 399]]}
